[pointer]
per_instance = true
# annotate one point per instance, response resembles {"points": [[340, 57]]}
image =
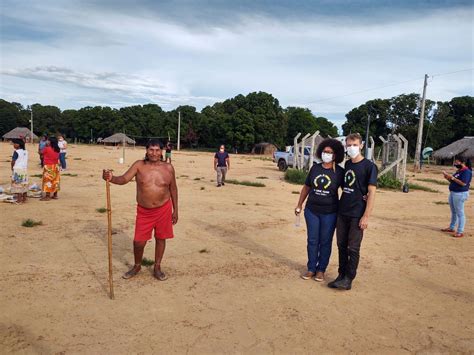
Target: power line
{"points": [[386, 86]]}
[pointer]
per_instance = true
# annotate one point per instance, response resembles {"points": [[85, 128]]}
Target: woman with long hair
{"points": [[51, 171], [322, 185], [19, 185], [459, 183]]}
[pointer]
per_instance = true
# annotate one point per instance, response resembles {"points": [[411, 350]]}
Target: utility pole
{"points": [[420, 128], [367, 133], [31, 121], [179, 128]]}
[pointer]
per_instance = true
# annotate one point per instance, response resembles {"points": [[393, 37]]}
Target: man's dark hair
{"points": [[53, 141], [154, 143], [335, 145], [20, 142]]}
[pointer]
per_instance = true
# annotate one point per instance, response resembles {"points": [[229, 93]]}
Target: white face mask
{"points": [[222, 149], [326, 157], [353, 151]]}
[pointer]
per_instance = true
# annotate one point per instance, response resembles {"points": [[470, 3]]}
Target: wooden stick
{"points": [[109, 239]]}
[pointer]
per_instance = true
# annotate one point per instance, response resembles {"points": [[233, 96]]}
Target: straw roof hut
{"points": [[461, 148], [19, 133], [118, 138], [264, 148]]}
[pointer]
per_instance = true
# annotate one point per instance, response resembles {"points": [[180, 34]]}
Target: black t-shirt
{"points": [[324, 184], [357, 178], [221, 158]]}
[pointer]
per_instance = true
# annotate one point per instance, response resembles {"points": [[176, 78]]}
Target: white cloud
{"points": [[118, 58]]}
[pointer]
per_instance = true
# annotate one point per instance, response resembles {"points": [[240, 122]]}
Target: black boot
{"points": [[333, 283], [344, 284]]}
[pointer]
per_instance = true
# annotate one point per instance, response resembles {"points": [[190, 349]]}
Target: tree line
{"points": [[238, 122], [242, 121], [445, 122]]}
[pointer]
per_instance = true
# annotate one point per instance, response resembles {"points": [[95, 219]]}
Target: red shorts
{"points": [[159, 219]]}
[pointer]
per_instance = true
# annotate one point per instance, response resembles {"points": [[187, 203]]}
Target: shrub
{"points": [[295, 176], [147, 262], [31, 223], [101, 210], [434, 181], [245, 183], [388, 181], [422, 188]]}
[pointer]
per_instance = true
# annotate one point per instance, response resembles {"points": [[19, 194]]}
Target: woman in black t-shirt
{"points": [[321, 188]]}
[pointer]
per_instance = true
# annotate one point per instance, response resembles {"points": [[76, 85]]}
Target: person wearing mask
{"points": [[355, 207], [51, 174], [221, 165], [321, 188], [459, 183], [63, 151], [19, 165]]}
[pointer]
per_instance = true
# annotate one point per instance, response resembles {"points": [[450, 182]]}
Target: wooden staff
{"points": [[109, 239]]}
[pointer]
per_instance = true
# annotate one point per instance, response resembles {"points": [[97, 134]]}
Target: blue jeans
{"points": [[456, 202], [62, 160], [320, 232]]}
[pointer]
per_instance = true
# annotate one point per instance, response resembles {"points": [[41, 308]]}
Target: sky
{"points": [[327, 55]]}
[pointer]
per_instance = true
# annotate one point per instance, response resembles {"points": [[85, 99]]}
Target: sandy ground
{"points": [[414, 292]]}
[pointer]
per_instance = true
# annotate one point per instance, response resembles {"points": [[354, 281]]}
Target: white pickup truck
{"points": [[285, 159]]}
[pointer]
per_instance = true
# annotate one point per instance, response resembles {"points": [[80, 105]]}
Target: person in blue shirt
{"points": [[221, 165], [458, 194], [321, 187]]}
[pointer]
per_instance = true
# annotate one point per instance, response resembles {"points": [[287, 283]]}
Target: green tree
{"points": [[378, 110]]}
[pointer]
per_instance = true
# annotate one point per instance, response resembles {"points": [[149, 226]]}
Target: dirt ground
{"points": [[233, 267]]}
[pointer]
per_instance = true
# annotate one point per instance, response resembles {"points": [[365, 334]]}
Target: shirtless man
{"points": [[157, 204]]}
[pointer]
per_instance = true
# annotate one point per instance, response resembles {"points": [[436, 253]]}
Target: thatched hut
{"points": [[117, 138], [264, 149], [461, 148], [20, 133]]}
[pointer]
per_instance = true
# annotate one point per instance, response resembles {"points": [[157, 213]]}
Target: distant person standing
{"points": [[458, 194], [62, 152], [19, 185], [355, 207], [221, 165], [51, 174], [42, 144], [168, 148]]}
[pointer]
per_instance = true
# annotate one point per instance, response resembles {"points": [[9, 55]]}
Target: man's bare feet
{"points": [[160, 275], [132, 272], [308, 275], [319, 276], [46, 198]]}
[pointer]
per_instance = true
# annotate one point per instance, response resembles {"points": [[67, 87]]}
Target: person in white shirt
{"points": [[19, 185], [63, 150]]}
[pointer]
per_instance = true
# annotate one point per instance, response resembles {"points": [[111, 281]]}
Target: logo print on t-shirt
{"points": [[349, 178], [322, 181]]}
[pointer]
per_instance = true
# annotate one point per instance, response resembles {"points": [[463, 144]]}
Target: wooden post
{"points": [[398, 157], [303, 143], [372, 148], [405, 157], [109, 240], [420, 127], [311, 157], [295, 149]]}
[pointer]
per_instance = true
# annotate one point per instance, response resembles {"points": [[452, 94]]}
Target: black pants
{"points": [[349, 239]]}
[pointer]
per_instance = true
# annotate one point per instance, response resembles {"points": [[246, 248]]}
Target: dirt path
{"points": [[234, 268]]}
